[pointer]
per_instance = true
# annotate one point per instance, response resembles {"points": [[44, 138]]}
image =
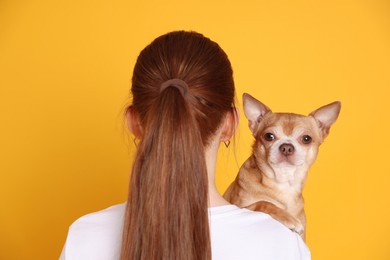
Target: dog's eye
{"points": [[306, 139], [269, 137]]}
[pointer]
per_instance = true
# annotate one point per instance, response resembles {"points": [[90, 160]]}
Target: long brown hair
{"points": [[166, 215]]}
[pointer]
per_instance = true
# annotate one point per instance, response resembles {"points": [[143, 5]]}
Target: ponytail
{"points": [[166, 214], [182, 88]]}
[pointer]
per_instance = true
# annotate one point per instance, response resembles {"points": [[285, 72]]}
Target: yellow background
{"points": [[65, 70]]}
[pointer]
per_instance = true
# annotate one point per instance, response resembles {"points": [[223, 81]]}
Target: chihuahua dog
{"points": [[272, 179]]}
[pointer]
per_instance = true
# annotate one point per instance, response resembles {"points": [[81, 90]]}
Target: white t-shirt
{"points": [[236, 234]]}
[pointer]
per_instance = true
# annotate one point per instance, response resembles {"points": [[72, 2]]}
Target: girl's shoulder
{"points": [[96, 235], [243, 234], [235, 234]]}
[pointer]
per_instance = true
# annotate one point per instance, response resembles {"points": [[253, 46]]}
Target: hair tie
{"points": [[181, 85]]}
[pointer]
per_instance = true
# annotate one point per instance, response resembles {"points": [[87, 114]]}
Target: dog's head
{"points": [[287, 144]]}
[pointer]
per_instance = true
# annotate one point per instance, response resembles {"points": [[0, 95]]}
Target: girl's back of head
{"points": [[182, 88]]}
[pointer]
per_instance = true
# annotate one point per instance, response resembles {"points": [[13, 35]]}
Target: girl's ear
{"points": [[232, 119], [133, 122]]}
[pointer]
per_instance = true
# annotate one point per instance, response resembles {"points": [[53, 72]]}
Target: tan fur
{"points": [[271, 181]]}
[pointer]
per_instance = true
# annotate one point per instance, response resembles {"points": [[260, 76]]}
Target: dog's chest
{"points": [[254, 187]]}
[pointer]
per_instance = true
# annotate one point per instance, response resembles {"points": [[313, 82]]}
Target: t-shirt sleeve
{"points": [[299, 249], [95, 236], [62, 256]]}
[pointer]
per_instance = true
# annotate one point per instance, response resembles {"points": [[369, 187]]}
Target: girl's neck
{"points": [[215, 199]]}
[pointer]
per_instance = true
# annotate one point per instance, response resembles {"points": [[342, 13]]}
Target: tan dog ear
{"points": [[133, 122], [326, 116], [254, 110]]}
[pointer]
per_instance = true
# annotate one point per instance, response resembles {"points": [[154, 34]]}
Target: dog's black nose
{"points": [[287, 149]]}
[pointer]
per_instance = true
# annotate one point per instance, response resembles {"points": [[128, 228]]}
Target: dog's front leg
{"points": [[279, 214]]}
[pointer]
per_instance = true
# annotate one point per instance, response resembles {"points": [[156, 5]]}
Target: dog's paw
{"points": [[292, 223], [298, 228], [279, 214]]}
